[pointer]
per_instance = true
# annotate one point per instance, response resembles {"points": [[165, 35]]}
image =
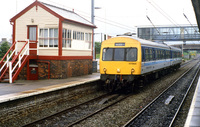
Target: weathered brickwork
{"points": [[60, 69], [23, 74]]}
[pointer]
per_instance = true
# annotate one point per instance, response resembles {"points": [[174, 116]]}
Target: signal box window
{"points": [[48, 37]]}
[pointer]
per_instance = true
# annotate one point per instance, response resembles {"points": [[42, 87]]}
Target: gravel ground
{"points": [[159, 114], [122, 112], [182, 115]]}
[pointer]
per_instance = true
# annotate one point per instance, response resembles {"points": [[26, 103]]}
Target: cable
{"points": [[162, 12], [110, 22], [117, 23], [153, 24], [189, 22]]}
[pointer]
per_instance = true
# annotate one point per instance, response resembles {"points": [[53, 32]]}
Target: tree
{"points": [[97, 47], [4, 48]]}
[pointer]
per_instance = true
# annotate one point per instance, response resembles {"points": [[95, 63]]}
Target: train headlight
{"points": [[118, 70], [105, 70], [132, 70]]}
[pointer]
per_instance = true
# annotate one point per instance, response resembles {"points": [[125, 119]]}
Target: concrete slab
{"points": [[25, 88], [195, 121], [193, 118]]}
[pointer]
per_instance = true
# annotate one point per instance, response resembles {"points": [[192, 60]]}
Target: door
{"points": [[32, 36], [33, 73]]}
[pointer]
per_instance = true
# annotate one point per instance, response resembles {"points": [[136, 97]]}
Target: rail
{"points": [[145, 114]]}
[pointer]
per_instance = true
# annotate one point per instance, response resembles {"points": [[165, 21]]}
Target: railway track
{"points": [[42, 121], [100, 110], [76, 114], [163, 110], [188, 62]]}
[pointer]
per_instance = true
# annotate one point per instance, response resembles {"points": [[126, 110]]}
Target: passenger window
{"points": [[150, 54], [146, 54], [156, 54]]}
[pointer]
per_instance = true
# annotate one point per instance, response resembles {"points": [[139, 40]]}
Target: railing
{"points": [[24, 51], [11, 58], [4, 67], [7, 56]]}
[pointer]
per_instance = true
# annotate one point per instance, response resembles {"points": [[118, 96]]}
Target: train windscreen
{"points": [[119, 54]]}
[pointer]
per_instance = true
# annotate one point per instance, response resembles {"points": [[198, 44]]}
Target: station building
{"points": [[60, 42]]}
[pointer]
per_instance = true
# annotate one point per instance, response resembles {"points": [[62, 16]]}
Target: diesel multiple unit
{"points": [[125, 59]]}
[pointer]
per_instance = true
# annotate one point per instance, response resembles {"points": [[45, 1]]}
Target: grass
{"points": [[97, 56]]}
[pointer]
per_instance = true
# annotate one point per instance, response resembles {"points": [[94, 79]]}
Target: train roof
{"points": [[146, 42], [150, 43], [175, 48]]}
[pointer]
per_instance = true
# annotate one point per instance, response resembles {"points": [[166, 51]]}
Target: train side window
{"points": [[107, 54], [150, 54], [167, 54], [146, 54], [143, 54], [156, 54], [173, 54], [161, 54], [164, 54], [170, 54]]}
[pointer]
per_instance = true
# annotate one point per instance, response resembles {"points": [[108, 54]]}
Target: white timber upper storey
{"points": [[56, 31]]}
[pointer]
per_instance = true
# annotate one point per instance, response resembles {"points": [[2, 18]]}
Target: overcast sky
{"points": [[114, 17]]}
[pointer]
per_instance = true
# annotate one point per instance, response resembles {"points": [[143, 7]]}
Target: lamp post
{"points": [[92, 20]]}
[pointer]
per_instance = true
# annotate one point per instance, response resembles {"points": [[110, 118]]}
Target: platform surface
{"points": [[193, 118], [25, 88]]}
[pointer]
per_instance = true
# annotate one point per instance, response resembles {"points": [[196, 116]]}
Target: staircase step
{"points": [[5, 77], [4, 81]]}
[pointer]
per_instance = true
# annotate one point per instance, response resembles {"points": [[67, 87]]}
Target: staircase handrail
{"points": [[11, 70], [20, 56], [8, 52], [20, 50], [8, 58]]}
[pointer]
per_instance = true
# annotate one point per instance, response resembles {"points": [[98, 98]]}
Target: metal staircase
{"points": [[13, 61]]}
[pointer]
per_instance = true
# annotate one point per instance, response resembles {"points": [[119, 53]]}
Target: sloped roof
{"points": [[68, 14], [196, 6], [58, 12]]}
